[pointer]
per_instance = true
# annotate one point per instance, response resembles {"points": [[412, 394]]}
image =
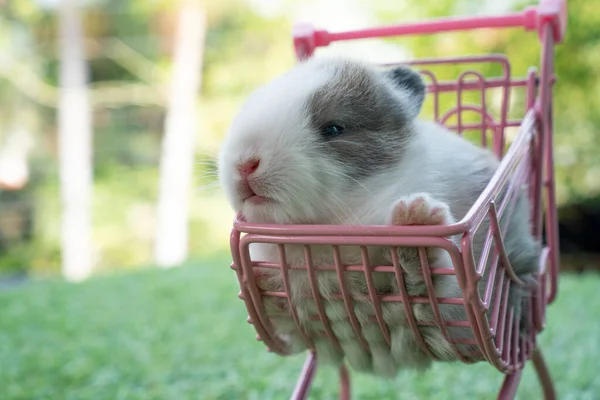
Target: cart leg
{"points": [[509, 386], [543, 374], [344, 383], [308, 372]]}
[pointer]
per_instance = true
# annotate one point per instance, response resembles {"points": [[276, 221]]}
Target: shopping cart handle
{"points": [[307, 38]]}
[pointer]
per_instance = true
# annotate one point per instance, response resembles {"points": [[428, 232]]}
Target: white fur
{"points": [[304, 189]]}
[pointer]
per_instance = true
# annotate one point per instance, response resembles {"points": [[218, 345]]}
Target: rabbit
{"points": [[338, 141]]}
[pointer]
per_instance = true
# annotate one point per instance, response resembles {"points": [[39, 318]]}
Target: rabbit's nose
{"points": [[248, 167]]}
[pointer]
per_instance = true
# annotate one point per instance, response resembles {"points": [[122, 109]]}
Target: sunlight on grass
{"points": [[181, 334]]}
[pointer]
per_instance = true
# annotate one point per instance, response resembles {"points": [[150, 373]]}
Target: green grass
{"points": [[181, 334]]}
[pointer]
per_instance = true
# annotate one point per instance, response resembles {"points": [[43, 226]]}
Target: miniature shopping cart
{"points": [[524, 145]]}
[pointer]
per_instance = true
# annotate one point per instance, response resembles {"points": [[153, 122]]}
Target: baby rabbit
{"points": [[337, 141]]}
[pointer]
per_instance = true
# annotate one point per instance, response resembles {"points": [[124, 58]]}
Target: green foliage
{"points": [[243, 50], [181, 334], [576, 103]]}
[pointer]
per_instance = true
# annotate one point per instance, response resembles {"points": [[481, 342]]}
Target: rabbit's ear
{"points": [[410, 83]]}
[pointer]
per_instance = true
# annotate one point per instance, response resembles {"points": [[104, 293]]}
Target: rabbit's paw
{"points": [[421, 209]]}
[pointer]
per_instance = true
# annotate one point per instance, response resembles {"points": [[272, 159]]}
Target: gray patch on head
{"points": [[377, 122]]}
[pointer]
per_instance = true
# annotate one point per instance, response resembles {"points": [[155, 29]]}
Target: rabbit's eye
{"points": [[333, 130]]}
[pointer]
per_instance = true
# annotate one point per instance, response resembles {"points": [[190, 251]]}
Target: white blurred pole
{"points": [[177, 157], [74, 143]]}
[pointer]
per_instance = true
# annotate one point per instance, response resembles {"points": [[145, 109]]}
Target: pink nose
{"points": [[248, 167]]}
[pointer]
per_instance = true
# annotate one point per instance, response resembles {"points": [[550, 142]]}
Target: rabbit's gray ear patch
{"points": [[410, 82]]}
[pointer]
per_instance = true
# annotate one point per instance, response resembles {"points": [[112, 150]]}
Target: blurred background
{"points": [[112, 113], [128, 51]]}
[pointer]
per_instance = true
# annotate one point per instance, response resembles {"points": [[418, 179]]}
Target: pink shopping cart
{"points": [[527, 159]]}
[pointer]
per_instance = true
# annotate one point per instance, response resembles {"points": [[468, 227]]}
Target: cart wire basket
{"points": [[524, 145]]}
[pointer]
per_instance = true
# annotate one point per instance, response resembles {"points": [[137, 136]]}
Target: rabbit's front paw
{"points": [[421, 209]]}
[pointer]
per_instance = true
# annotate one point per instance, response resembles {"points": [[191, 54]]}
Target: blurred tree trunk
{"points": [[74, 143], [176, 164]]}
